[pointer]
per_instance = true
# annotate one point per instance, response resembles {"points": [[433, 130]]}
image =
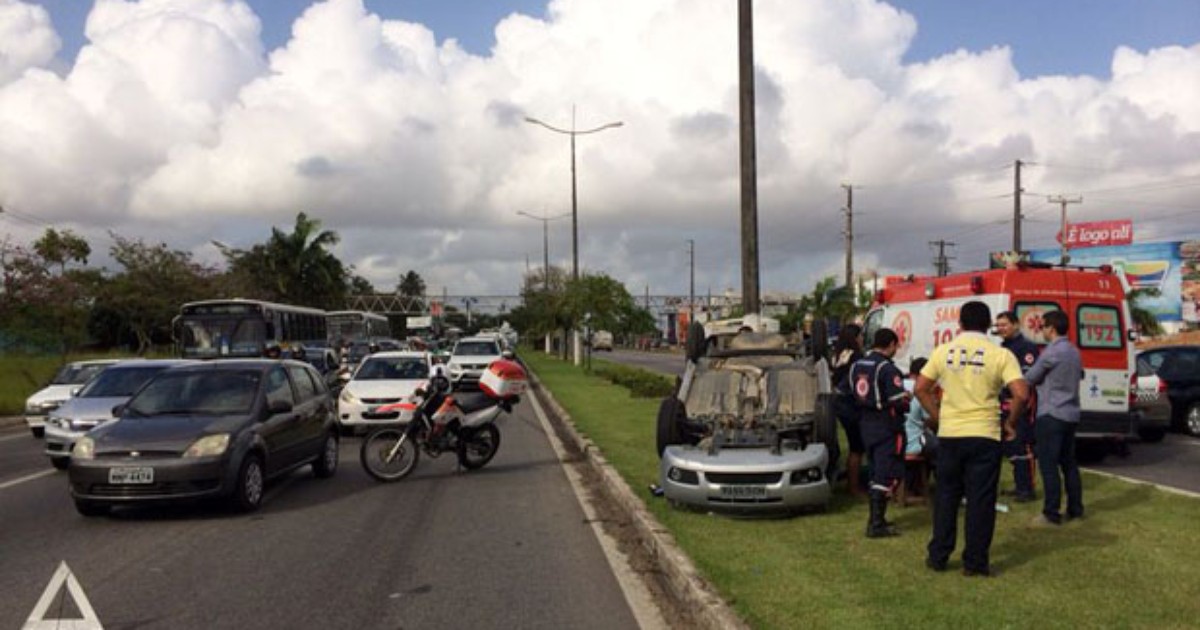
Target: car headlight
{"points": [[348, 397], [456, 368], [49, 405], [85, 448], [808, 475], [208, 446], [682, 475]]}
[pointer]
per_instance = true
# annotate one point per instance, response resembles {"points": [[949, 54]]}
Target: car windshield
{"points": [[119, 382], [393, 368], [77, 374], [476, 348], [198, 392]]}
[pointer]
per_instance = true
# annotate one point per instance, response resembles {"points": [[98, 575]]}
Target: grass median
{"points": [[1130, 564], [23, 374]]}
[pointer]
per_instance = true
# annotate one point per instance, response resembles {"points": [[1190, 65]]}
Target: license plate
{"points": [[743, 491], [131, 475]]}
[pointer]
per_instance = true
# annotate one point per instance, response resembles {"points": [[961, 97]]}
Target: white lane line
{"points": [[20, 480], [645, 611], [16, 436], [1172, 490]]}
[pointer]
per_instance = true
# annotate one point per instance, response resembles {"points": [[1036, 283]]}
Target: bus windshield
{"points": [[216, 335]]}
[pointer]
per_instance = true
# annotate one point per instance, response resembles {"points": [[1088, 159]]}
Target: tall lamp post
{"points": [[574, 197], [545, 241]]}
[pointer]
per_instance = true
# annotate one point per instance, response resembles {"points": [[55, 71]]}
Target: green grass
{"points": [[23, 374], [1131, 564]]}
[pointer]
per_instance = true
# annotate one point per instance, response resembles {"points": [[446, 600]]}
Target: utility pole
{"points": [[942, 262], [1017, 190], [749, 168], [849, 210], [1062, 235], [691, 281]]}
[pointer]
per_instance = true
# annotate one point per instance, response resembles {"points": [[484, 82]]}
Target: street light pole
{"points": [[691, 281], [574, 198], [574, 195], [545, 242]]}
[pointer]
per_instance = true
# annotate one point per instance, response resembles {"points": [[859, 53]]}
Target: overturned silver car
{"points": [[750, 428]]}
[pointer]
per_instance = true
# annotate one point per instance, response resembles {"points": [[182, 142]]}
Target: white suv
{"points": [[471, 356]]}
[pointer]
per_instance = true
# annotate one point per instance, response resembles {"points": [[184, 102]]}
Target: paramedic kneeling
{"points": [[971, 370], [879, 393]]}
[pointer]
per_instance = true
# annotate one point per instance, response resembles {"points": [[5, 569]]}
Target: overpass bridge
{"points": [[658, 305]]}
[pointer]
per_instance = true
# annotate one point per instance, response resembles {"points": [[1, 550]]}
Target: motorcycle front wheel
{"points": [[388, 455], [477, 446]]}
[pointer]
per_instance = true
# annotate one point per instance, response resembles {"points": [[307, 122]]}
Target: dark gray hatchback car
{"points": [[215, 429]]}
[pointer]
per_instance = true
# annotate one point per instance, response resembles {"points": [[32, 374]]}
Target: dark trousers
{"points": [[967, 467], [1020, 452], [886, 448], [1055, 452]]}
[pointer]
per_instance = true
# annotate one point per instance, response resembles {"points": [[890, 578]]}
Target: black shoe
{"points": [[935, 566], [978, 572]]}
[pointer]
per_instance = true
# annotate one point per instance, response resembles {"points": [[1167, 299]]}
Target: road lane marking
{"points": [[645, 611], [37, 619], [15, 436], [20, 480]]}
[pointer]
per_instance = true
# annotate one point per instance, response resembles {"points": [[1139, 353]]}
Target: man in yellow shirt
{"points": [[971, 371]]}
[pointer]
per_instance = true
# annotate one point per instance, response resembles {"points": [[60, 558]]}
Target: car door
{"points": [[310, 430], [281, 431]]}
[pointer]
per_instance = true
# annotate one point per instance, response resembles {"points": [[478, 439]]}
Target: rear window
{"points": [[1099, 327], [476, 348]]}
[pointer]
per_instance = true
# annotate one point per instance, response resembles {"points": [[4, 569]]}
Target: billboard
{"points": [[1172, 268]]}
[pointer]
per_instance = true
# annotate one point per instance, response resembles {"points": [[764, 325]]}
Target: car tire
{"points": [[61, 463], [251, 481], [695, 341], [38, 432], [327, 460], [1191, 421], [1091, 451], [670, 413], [90, 509], [1154, 434]]}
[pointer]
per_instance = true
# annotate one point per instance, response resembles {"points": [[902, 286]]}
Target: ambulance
{"points": [[923, 312]]}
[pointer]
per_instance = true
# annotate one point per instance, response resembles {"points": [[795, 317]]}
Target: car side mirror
{"points": [[279, 406], [118, 410], [1132, 335], [75, 391]]}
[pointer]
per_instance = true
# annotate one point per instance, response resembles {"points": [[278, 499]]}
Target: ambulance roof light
{"points": [[977, 284], [1106, 269]]}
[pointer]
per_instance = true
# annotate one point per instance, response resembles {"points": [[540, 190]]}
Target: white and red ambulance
{"points": [[923, 311]]}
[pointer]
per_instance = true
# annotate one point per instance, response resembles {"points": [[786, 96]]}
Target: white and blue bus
{"points": [[352, 326], [245, 328]]}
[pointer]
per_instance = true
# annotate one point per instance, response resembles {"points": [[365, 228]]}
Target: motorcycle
{"points": [[435, 421]]}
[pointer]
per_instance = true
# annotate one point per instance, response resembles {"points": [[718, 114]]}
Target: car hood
{"points": [[98, 409], [51, 393], [163, 434], [383, 389]]}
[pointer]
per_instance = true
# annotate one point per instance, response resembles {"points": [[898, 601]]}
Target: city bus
{"points": [[356, 326], [245, 328]]}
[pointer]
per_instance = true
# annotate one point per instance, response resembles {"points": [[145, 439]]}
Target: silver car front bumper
{"points": [[748, 481]]}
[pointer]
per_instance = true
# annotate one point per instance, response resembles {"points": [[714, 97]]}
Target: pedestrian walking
{"points": [[1057, 373], [1019, 449], [971, 370], [879, 393], [846, 350]]}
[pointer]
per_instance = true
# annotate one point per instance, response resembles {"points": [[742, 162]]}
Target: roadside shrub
{"points": [[639, 382]]}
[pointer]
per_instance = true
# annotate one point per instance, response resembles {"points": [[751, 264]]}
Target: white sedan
{"points": [[381, 379]]}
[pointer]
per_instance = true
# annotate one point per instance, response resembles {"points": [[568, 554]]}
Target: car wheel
{"points": [[670, 412], [327, 461], [1191, 422], [37, 432], [90, 509], [1091, 451], [248, 493], [60, 463], [1152, 434]]}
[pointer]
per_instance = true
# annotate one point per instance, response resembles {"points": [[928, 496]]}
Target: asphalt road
{"points": [[504, 547], [1174, 462]]}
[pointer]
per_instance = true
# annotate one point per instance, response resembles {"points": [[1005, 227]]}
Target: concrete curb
{"points": [[683, 581], [11, 421]]}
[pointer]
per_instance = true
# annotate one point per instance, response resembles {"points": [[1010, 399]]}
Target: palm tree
{"points": [[1144, 320], [303, 269]]}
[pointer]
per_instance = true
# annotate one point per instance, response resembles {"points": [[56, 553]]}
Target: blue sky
{"points": [[1047, 37]]}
